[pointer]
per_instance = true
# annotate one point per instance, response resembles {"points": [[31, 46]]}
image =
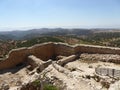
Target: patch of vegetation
{"points": [[49, 87], [115, 43], [100, 38], [36, 83], [34, 41]]}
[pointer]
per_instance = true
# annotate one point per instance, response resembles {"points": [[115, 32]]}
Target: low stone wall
{"points": [[114, 58], [48, 50], [108, 72], [34, 62], [96, 49]]}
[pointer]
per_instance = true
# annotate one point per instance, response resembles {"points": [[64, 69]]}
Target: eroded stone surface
{"points": [[67, 71]]}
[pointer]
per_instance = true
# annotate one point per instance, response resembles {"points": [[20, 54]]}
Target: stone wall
{"points": [[48, 50], [96, 49], [108, 72], [63, 49], [114, 58], [42, 51]]}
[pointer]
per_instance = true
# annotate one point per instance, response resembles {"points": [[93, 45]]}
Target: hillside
{"points": [[19, 34], [16, 39]]}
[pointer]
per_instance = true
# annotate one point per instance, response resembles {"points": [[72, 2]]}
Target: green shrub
{"points": [[36, 83], [39, 40], [49, 87]]}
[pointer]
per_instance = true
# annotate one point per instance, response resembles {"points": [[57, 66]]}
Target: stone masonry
{"points": [[48, 50]]}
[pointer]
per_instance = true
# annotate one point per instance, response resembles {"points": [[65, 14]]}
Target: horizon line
{"points": [[30, 28]]}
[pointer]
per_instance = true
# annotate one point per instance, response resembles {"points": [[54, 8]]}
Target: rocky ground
{"points": [[78, 74]]}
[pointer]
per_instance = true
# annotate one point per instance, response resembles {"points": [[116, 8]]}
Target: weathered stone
{"points": [[60, 68], [48, 50], [60, 57], [34, 61], [67, 59], [108, 72], [4, 86]]}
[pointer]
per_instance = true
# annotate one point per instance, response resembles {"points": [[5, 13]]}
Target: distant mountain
{"points": [[19, 34], [7, 37]]}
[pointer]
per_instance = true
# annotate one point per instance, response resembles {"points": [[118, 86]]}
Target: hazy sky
{"points": [[16, 14]]}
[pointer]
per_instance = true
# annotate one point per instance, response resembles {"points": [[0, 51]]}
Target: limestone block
{"points": [[67, 59], [34, 61]]}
